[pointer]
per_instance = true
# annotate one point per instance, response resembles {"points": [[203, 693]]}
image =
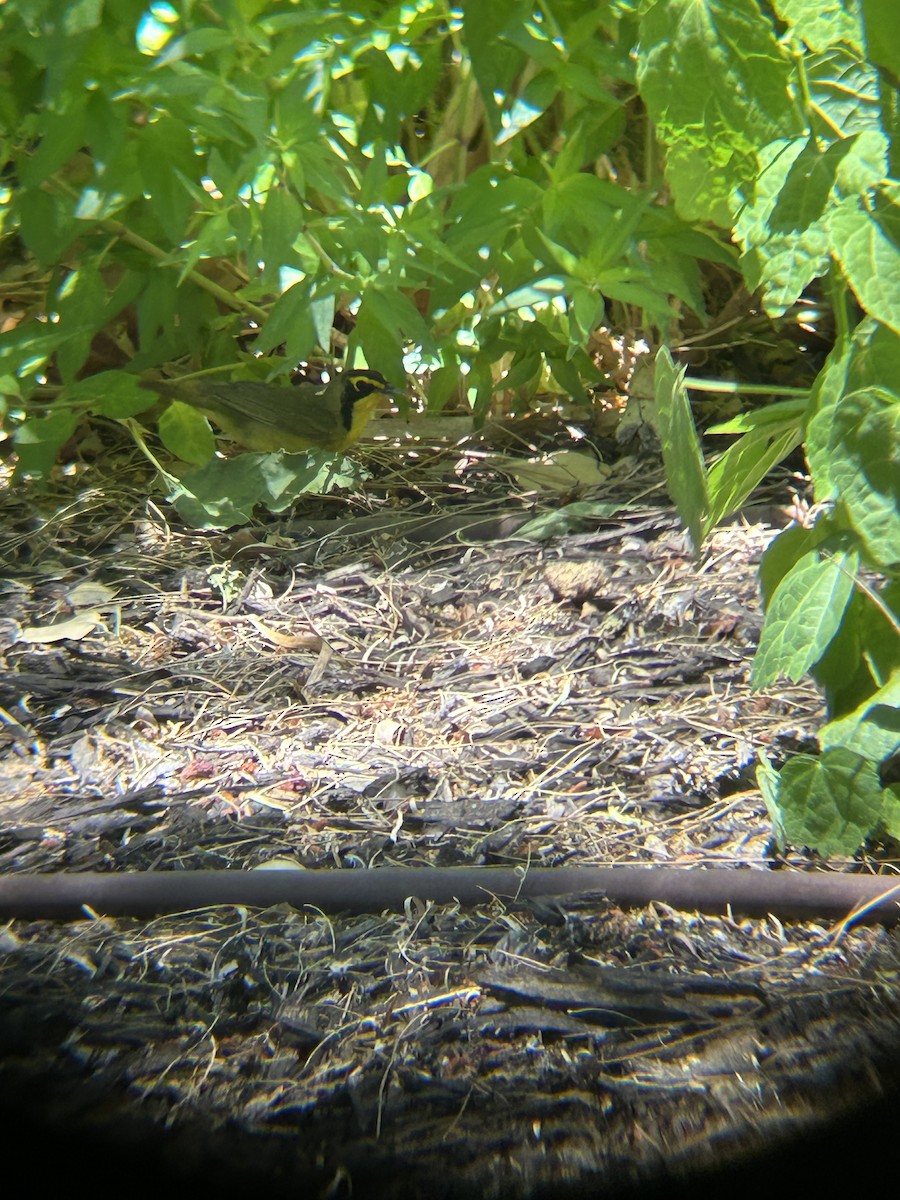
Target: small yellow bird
{"points": [[265, 417]]}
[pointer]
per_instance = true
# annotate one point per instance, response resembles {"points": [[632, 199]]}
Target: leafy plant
{"points": [[794, 152], [185, 175], [471, 190]]}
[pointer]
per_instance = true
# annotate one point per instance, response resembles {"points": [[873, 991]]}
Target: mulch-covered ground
{"points": [[402, 679]]}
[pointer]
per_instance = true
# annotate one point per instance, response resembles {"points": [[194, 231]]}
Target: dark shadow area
{"points": [[66, 1127]]}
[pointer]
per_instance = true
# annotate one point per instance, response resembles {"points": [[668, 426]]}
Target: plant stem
{"points": [[731, 387], [153, 251]]}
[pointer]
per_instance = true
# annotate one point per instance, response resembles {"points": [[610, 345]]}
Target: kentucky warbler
{"points": [[264, 417]]}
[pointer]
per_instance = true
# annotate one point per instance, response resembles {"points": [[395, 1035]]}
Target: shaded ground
{"points": [[402, 680]]}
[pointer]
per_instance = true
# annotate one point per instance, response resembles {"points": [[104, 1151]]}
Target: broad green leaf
{"points": [[81, 314], [786, 229], [39, 440], [820, 24], [716, 83], [290, 323], [532, 296], [784, 551], [169, 167], [215, 239], [890, 813], [112, 394], [875, 357], [873, 729], [824, 400], [112, 187], [803, 616], [593, 217], [566, 375], [155, 305], [880, 18], [845, 99], [495, 61], [685, 474], [783, 231], [620, 284], [47, 225], [525, 110], [81, 16], [675, 277], [395, 310], [186, 433], [62, 136], [865, 469], [866, 245], [282, 222], [843, 672], [196, 43], [880, 629], [225, 492], [831, 803]]}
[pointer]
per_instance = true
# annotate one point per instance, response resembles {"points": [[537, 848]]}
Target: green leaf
{"points": [[62, 135], [786, 229], [196, 43], [803, 616], [873, 728], [716, 83], [494, 60], [593, 217], [169, 169], [39, 440], [875, 357], [880, 629], [880, 18], [113, 394], [566, 375], [823, 404], [865, 469], [290, 322], [225, 492], [783, 231], [82, 16], [783, 413], [81, 313], [531, 296], [47, 225], [685, 474], [786, 550], [866, 245], [767, 782], [821, 25], [187, 433], [322, 310], [282, 222], [845, 96], [732, 478], [571, 518], [843, 672], [387, 322], [890, 814], [831, 803]]}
